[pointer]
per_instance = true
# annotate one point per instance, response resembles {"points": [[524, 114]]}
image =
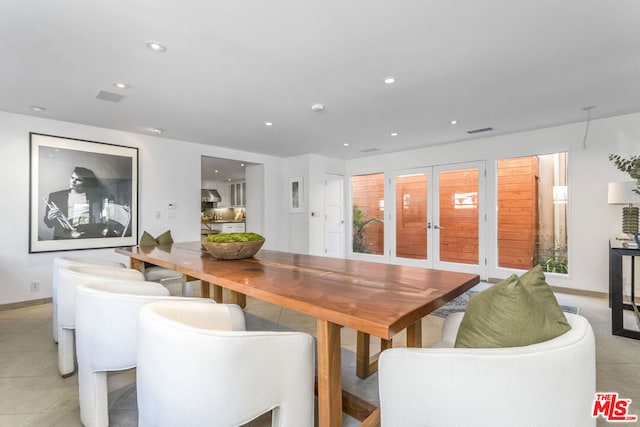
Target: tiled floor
{"points": [[33, 394]]}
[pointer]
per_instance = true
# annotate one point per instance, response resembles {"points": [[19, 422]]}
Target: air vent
{"points": [[479, 130], [109, 96], [368, 150]]}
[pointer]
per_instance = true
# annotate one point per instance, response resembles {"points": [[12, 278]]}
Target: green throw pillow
{"points": [[533, 280], [148, 240], [513, 313]]}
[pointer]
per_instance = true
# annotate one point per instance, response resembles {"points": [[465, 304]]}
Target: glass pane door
{"points": [[458, 226], [438, 220], [411, 192]]}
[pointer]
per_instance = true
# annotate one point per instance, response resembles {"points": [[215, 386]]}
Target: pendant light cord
{"points": [[586, 130]]}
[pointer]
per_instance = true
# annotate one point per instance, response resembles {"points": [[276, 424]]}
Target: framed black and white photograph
{"points": [[296, 200], [82, 195]]}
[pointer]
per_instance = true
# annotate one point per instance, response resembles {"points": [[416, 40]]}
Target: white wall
{"points": [[592, 222], [169, 170], [319, 166], [306, 232], [297, 222]]}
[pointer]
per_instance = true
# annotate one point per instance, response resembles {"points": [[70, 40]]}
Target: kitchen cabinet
{"points": [[226, 227], [237, 193], [233, 227]]}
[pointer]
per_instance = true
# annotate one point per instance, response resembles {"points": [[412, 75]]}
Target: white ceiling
{"points": [[232, 65], [218, 169]]}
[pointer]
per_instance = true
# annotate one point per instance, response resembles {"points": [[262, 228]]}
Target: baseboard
{"points": [[22, 304], [581, 292], [562, 290]]}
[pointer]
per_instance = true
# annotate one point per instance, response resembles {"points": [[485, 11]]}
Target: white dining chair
{"points": [[196, 369], [70, 279], [67, 261], [548, 384], [107, 337]]}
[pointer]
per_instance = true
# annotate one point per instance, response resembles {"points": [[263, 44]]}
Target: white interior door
{"points": [[334, 216]]}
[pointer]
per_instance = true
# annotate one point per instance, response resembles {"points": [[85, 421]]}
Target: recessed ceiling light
{"points": [[156, 46], [37, 108], [317, 107], [121, 85], [454, 122], [390, 80], [394, 133], [346, 144], [268, 123], [157, 130], [216, 171], [241, 164]]}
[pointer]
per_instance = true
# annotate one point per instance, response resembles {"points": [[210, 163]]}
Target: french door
{"points": [[438, 220]]}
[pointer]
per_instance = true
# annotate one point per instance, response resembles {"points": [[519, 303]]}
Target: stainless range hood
{"points": [[209, 198]]}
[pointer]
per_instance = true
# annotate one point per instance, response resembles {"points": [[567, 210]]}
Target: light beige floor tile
{"points": [[33, 394], [18, 420], [28, 364]]}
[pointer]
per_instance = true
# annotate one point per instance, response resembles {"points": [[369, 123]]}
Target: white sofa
{"points": [[548, 384]]}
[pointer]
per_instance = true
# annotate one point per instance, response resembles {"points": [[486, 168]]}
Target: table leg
{"points": [[365, 365], [372, 420], [363, 355], [329, 374], [136, 264], [217, 293], [238, 298], [414, 335], [204, 289]]}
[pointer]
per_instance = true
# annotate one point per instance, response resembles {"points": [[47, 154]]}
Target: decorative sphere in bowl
{"points": [[233, 245]]}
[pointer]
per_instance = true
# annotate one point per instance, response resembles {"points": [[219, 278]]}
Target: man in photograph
{"points": [[77, 212]]}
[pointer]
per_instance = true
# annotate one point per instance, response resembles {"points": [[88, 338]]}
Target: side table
{"points": [[616, 289]]}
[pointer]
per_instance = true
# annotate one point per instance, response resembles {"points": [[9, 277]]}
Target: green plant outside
{"points": [[360, 223], [550, 265]]}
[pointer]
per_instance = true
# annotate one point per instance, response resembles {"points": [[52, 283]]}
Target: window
{"points": [[532, 212], [368, 213]]}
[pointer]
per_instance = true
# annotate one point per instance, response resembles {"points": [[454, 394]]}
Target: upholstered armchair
{"points": [[61, 262], [107, 337], [194, 369], [547, 384], [70, 279]]}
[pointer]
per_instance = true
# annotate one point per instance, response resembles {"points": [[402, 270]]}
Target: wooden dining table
{"points": [[375, 299]]}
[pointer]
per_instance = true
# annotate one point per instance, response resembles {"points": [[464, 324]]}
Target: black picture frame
{"points": [[91, 190]]}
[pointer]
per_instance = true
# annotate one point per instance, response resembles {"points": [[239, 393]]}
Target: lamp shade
{"points": [[621, 193]]}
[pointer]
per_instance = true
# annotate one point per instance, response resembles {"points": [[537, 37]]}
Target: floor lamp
{"points": [[622, 193]]}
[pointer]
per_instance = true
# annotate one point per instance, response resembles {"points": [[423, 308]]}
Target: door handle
{"points": [[437, 227], [428, 226]]}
